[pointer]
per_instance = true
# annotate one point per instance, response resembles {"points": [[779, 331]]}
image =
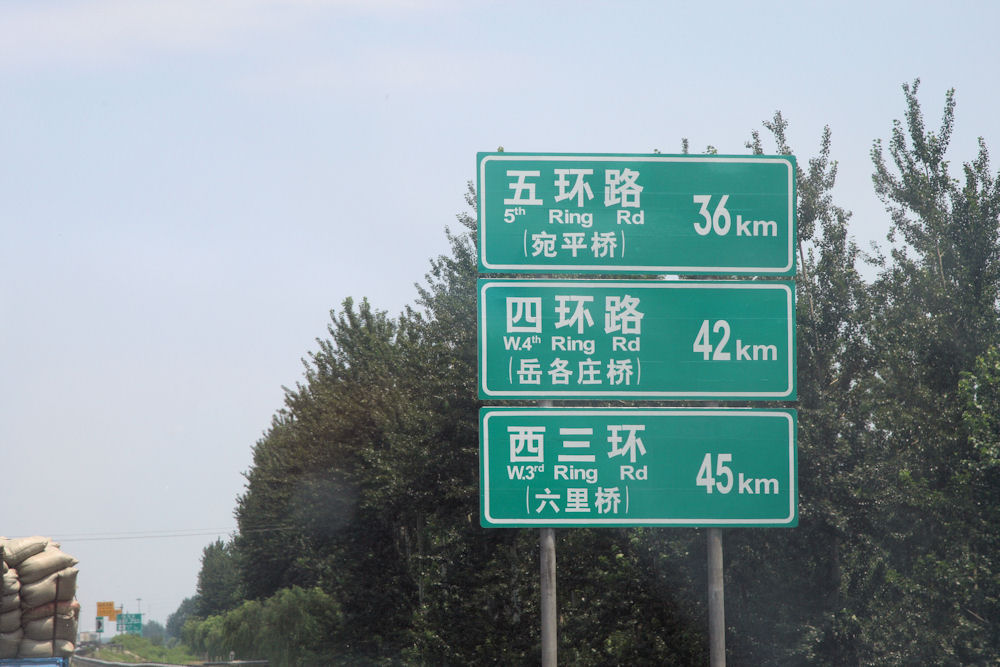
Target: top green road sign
{"points": [[603, 213]]}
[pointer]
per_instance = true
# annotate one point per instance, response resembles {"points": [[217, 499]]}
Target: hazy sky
{"points": [[188, 187]]}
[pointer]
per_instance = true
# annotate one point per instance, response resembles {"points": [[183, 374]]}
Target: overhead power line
{"points": [[158, 534]]}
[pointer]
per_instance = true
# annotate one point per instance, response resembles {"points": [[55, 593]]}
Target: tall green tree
{"points": [[218, 580], [175, 622], [936, 313], [296, 627], [154, 631], [317, 511], [979, 478]]}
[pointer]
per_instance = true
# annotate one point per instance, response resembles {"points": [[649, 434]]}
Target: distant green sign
{"points": [[637, 339], [638, 467], [679, 214], [129, 623]]}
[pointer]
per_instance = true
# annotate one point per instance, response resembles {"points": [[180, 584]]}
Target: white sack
{"points": [[16, 550], [9, 643], [71, 608], [29, 648], [58, 586], [9, 602], [43, 564], [62, 647], [10, 621], [10, 583]]}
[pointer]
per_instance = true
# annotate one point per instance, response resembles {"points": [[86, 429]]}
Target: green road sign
{"points": [[637, 339], [681, 214], [129, 623], [637, 467]]}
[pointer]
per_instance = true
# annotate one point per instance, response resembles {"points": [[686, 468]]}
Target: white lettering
{"points": [[630, 217], [633, 473], [571, 472], [567, 217], [570, 344], [623, 344]]}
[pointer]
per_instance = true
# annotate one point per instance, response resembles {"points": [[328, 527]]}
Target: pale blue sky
{"points": [[187, 188]]}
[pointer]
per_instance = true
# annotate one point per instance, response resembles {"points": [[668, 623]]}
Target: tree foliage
{"points": [[218, 580], [936, 313], [175, 622], [154, 631], [359, 538], [294, 627]]}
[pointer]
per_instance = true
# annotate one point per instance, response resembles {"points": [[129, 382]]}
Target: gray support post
{"points": [[547, 541], [716, 600], [547, 547]]}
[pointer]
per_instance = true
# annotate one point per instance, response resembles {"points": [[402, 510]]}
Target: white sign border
{"points": [[784, 394], [788, 414], [671, 269]]}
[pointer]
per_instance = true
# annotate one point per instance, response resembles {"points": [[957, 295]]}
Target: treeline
{"points": [[359, 539]]}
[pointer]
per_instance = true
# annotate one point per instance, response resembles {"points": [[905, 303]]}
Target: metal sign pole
{"points": [[547, 540], [547, 548], [716, 600]]}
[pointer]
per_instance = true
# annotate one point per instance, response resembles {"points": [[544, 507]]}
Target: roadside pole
{"points": [[716, 595], [547, 540], [547, 547], [716, 600]]}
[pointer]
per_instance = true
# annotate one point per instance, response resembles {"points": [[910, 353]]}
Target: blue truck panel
{"points": [[34, 662]]}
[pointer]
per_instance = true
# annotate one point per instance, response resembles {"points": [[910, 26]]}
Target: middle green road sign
{"points": [[636, 339]]}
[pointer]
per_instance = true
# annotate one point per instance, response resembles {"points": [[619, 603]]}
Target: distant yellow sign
{"points": [[107, 609]]}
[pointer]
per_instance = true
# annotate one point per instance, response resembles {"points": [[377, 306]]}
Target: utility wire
{"points": [[159, 534]]}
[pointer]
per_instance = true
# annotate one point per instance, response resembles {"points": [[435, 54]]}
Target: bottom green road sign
{"points": [[638, 467]]}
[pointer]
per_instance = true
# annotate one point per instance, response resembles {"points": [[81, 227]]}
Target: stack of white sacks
{"points": [[38, 610]]}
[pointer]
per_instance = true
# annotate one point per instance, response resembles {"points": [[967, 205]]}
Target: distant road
{"points": [[82, 661]]}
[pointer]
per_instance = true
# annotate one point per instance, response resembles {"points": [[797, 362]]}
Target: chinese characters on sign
{"points": [[638, 339], [579, 466], [570, 459], [572, 313], [636, 213]]}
